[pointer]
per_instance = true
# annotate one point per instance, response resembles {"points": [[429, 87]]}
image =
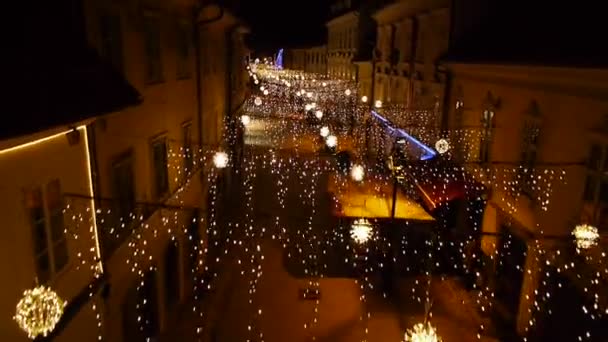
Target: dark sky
{"points": [[276, 24]]}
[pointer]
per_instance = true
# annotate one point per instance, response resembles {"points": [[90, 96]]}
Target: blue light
{"points": [[430, 153], [279, 61]]}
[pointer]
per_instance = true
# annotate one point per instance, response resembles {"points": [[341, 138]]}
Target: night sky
{"points": [[276, 23]]}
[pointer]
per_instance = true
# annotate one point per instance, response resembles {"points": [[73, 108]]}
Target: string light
{"points": [[585, 235], [357, 173], [422, 333], [39, 311]]}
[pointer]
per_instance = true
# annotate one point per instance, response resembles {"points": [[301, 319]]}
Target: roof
{"points": [[536, 33], [55, 79], [58, 92]]}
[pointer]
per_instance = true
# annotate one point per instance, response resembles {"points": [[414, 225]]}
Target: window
{"points": [[111, 40], [45, 211], [188, 153], [595, 197], [487, 130], [531, 132], [183, 52], [124, 187], [154, 70], [160, 171]]}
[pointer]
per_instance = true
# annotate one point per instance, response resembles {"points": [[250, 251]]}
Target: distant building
{"points": [[316, 60], [295, 59], [350, 37], [411, 38]]}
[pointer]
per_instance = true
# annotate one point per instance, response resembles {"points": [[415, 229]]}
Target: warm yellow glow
{"points": [[422, 333], [257, 101], [319, 114], [38, 311], [364, 99], [357, 173], [361, 231], [378, 104], [347, 92], [266, 92]]}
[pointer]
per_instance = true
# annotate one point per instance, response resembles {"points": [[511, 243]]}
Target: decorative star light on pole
{"points": [[331, 141], [361, 231], [585, 236], [422, 332], [442, 146]]}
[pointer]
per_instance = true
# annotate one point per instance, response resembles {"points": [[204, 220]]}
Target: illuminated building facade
{"points": [[411, 38], [135, 103], [541, 115]]}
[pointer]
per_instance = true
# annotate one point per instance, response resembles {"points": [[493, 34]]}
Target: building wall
{"points": [[34, 166], [342, 46], [316, 60], [295, 59], [153, 34], [552, 100], [411, 37]]}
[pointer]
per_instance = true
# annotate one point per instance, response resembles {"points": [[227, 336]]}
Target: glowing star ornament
{"points": [[324, 131], [361, 231], [319, 114], [38, 311], [422, 333], [347, 92], [364, 99], [220, 160], [585, 236], [442, 146], [324, 84], [378, 104], [245, 119], [331, 141], [307, 106], [257, 101], [357, 173]]}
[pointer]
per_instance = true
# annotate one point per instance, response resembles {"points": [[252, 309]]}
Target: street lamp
{"points": [[378, 104], [265, 91], [364, 99], [361, 231], [357, 173], [347, 92], [324, 131], [245, 119], [331, 141], [220, 159]]}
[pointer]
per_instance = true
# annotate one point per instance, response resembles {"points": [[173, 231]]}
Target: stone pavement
{"points": [[232, 309]]}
